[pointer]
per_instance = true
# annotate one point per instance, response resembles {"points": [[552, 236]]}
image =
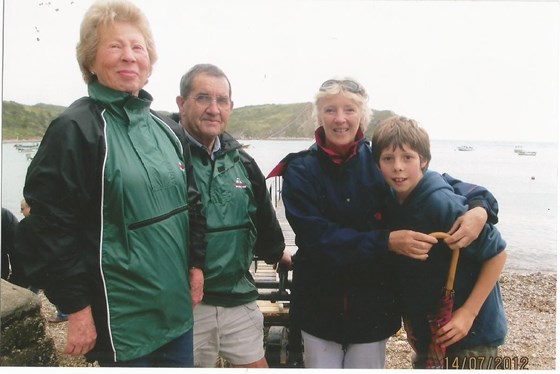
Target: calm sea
{"points": [[526, 188]]}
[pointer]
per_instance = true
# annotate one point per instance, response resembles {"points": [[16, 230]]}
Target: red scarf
{"points": [[338, 158]]}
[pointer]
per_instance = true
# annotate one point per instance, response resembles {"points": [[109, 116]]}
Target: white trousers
{"points": [[324, 354], [234, 334]]}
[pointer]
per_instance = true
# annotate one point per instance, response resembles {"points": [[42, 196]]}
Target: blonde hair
{"points": [[398, 131], [361, 99], [105, 13]]}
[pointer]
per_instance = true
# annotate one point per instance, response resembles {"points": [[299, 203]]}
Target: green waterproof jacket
{"points": [[109, 223], [240, 220]]}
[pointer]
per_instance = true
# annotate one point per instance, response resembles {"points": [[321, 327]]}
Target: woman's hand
{"points": [[409, 243], [466, 228], [81, 335]]}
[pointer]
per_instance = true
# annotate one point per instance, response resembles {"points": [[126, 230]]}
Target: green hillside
{"points": [[251, 122], [272, 121], [27, 122]]}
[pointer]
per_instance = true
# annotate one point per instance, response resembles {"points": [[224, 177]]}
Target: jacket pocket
{"points": [[154, 220]]}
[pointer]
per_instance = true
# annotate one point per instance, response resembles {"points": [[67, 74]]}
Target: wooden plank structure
{"points": [[283, 345], [274, 306], [274, 291]]}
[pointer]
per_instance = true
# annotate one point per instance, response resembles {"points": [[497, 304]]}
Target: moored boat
{"points": [[526, 153], [24, 147]]}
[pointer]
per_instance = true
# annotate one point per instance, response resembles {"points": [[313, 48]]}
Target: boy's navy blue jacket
{"points": [[433, 206], [343, 288]]}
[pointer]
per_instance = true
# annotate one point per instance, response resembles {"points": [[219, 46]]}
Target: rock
{"points": [[23, 335]]}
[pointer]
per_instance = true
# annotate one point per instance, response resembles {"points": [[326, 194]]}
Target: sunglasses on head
{"points": [[348, 85]]}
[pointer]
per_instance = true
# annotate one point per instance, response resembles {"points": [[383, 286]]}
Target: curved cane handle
{"points": [[452, 263], [440, 235]]}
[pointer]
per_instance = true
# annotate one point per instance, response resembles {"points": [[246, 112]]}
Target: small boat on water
{"points": [[526, 153], [25, 147], [518, 148], [465, 148]]}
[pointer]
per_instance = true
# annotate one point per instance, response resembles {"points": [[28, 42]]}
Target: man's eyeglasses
{"points": [[204, 101], [348, 85]]}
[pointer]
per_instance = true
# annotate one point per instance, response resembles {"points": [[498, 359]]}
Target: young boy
{"points": [[420, 200]]}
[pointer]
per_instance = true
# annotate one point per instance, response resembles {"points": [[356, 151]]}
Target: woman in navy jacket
{"points": [[342, 293]]}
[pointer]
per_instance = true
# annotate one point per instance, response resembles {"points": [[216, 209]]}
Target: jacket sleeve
{"points": [[197, 221], [316, 233], [476, 196], [9, 227], [270, 238], [443, 208], [61, 235], [8, 238]]}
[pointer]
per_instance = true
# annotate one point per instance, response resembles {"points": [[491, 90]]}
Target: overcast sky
{"points": [[472, 70]]}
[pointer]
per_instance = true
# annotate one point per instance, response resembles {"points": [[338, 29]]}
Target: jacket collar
{"points": [[120, 103], [336, 158], [192, 140], [223, 144]]}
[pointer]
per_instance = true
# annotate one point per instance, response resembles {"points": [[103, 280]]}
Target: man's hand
{"points": [[285, 262], [409, 243], [81, 335], [196, 280], [466, 228]]}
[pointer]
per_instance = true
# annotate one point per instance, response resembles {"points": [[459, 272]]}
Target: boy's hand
{"points": [[457, 328]]}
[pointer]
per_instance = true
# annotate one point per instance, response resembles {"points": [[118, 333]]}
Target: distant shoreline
{"points": [[312, 139], [11, 141], [239, 139], [524, 273]]}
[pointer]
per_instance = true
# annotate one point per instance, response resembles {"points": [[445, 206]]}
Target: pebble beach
{"points": [[530, 304]]}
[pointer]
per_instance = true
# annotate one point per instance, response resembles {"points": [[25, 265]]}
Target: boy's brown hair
{"points": [[398, 131]]}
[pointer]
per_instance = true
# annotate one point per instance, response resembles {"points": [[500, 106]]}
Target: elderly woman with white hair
{"points": [[342, 294], [109, 237]]}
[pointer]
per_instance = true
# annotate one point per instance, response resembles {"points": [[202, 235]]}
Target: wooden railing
{"points": [[275, 190]]}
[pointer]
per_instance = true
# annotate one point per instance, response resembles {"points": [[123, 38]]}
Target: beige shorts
{"points": [[234, 334]]}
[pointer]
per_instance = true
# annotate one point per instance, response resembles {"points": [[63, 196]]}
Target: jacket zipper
{"points": [[150, 221]]}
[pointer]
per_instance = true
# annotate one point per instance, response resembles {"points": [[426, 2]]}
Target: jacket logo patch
{"points": [[377, 216], [239, 184]]}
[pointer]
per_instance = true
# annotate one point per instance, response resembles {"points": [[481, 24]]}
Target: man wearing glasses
{"points": [[241, 223]]}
